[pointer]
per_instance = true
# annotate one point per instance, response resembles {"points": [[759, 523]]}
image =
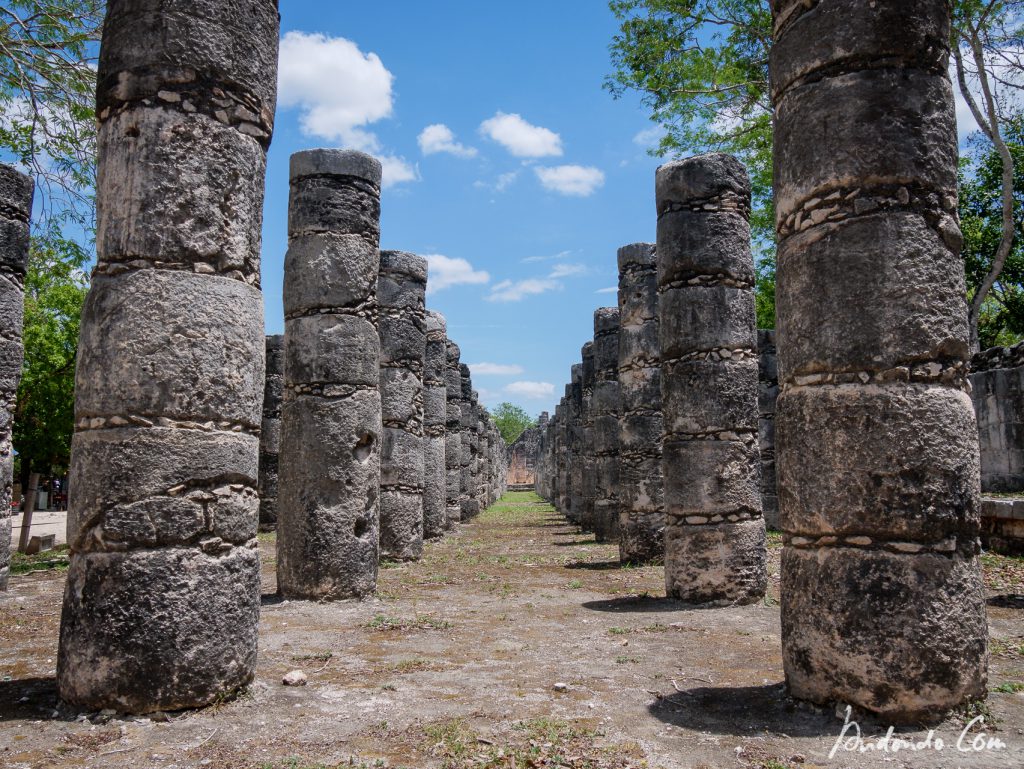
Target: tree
{"points": [[55, 290], [701, 66], [47, 98], [1000, 318], [512, 421]]}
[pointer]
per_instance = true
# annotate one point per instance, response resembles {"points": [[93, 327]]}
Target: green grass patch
{"points": [[52, 560]]}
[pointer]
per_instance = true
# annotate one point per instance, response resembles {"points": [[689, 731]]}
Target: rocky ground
{"points": [[517, 642]]}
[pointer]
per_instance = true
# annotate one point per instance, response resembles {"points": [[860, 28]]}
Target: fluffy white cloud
{"points": [[502, 183], [495, 369], [580, 181], [649, 137], [531, 389], [337, 87], [567, 270], [521, 138], [395, 170], [439, 138], [445, 271], [514, 291]]}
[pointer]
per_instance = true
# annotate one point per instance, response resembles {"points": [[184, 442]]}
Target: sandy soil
{"points": [[455, 664]]}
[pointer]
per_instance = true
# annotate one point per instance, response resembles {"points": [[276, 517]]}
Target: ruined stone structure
{"points": [[606, 404], [401, 294], [435, 516], [574, 445], [470, 446], [588, 459], [767, 394], [524, 455], [453, 434], [997, 388], [641, 496], [882, 601], [162, 598], [715, 535], [328, 506], [270, 432], [15, 212]]}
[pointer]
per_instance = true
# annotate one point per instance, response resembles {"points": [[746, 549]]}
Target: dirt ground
{"points": [[516, 642]]}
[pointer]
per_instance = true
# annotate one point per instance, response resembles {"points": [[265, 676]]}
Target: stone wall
{"points": [[997, 389]]}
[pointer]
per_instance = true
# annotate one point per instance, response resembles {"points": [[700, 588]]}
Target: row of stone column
{"points": [[192, 427], [877, 454]]}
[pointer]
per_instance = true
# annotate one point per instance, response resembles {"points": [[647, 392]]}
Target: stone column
{"points": [[557, 455], [578, 446], [328, 504], [270, 432], [641, 496], [877, 447], [15, 212], [607, 405], [401, 295], [162, 599], [566, 456], [435, 514], [453, 435], [714, 536], [470, 445], [588, 461], [767, 394]]}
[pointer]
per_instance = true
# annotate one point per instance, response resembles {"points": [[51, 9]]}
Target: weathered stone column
{"points": [[328, 503], [270, 432], [401, 295], [579, 448], [453, 435], [877, 447], [435, 514], [607, 405], [714, 535], [476, 463], [641, 497], [558, 458], [767, 395], [162, 599], [15, 212], [470, 446], [588, 461]]}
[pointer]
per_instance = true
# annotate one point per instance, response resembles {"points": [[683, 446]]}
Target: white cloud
{"points": [[495, 369], [649, 137], [502, 183], [514, 291], [522, 139], [609, 290], [395, 170], [531, 389], [337, 87], [554, 257], [567, 270], [445, 271], [439, 138], [580, 181]]}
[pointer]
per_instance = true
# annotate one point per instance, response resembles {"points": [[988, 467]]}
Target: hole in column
{"points": [[361, 527], [363, 447]]}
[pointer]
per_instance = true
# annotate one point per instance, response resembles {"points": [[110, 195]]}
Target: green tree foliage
{"points": [[701, 67], [512, 421], [1001, 321], [55, 289], [47, 88]]}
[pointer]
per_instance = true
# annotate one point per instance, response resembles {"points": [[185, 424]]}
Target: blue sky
{"points": [[528, 172]]}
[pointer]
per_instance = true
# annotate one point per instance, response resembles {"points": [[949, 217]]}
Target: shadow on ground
{"points": [[742, 711]]}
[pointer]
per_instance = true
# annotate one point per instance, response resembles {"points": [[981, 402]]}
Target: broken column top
{"points": [[16, 190], [436, 325], [700, 177], [452, 351], [606, 321], [639, 254], [334, 162], [408, 265]]}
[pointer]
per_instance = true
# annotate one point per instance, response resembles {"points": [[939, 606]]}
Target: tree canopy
{"points": [[511, 421]]}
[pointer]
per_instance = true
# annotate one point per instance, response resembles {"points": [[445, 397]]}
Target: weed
{"points": [[1010, 687], [620, 630], [50, 560], [576, 584], [622, 660]]}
